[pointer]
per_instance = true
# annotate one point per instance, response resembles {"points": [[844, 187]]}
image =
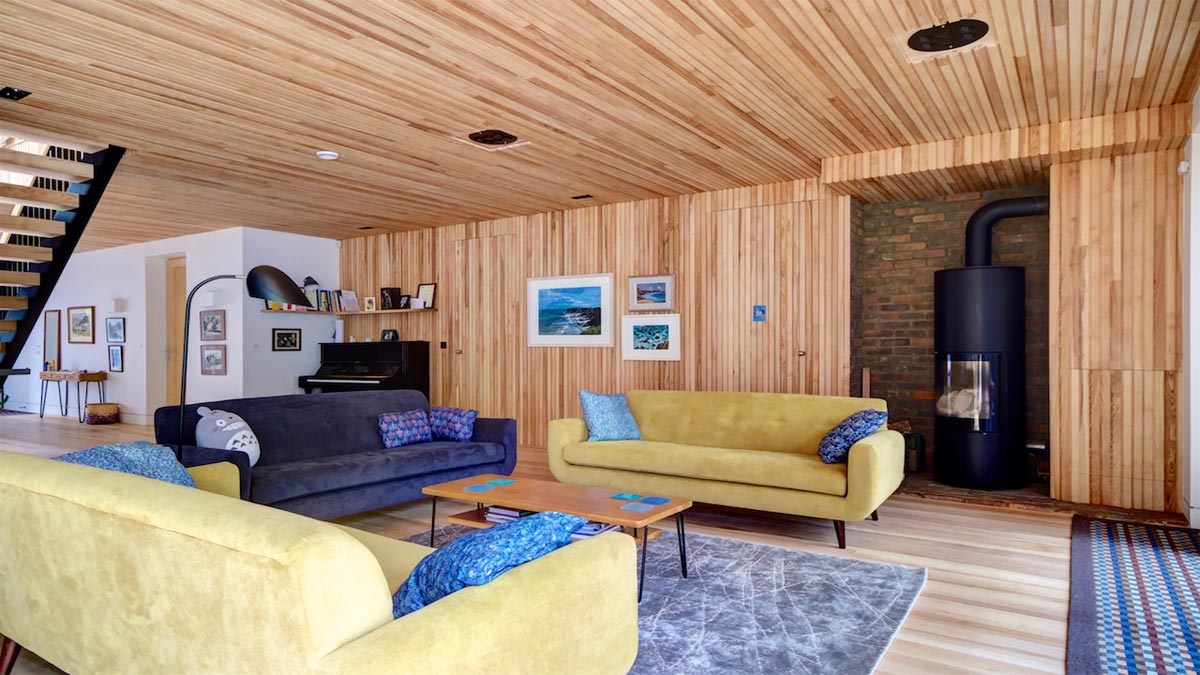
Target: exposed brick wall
{"points": [[858, 218], [899, 247]]}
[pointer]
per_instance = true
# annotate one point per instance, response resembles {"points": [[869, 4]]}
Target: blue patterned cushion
{"points": [[452, 424], [404, 428], [835, 447], [608, 417], [480, 556], [140, 458]]}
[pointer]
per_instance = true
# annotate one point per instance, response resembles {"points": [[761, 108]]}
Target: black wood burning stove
{"points": [[979, 345]]}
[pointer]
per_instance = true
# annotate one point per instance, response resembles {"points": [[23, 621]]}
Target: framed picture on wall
{"points": [[651, 293], [650, 337], [114, 329], [116, 359], [212, 359], [212, 325], [570, 311], [426, 293], [81, 325], [285, 339]]}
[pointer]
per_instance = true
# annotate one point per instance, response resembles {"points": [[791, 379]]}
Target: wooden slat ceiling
{"points": [[222, 102]]}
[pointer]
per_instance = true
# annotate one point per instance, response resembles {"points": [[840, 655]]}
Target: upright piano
{"points": [[363, 366]]}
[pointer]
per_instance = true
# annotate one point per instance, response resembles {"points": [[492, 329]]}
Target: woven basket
{"points": [[102, 413]]}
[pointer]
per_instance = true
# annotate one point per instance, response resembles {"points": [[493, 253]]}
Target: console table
{"points": [[82, 379]]}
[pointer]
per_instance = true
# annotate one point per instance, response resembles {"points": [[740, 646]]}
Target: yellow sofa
{"points": [[750, 450], [102, 572]]}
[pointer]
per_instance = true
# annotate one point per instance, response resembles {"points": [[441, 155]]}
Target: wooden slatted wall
{"points": [[1115, 331], [785, 245]]}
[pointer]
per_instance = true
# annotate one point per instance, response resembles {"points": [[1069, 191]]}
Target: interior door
{"points": [[485, 331], [754, 256], [176, 300]]}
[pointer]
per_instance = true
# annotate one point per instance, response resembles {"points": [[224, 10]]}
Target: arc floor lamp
{"points": [[263, 282]]}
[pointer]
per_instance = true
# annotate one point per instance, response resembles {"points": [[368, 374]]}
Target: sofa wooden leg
{"points": [[839, 527], [875, 515], [9, 651]]}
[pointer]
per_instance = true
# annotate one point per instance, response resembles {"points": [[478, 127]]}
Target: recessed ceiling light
{"points": [[948, 36], [327, 155], [492, 137], [367, 227], [13, 94], [581, 197]]}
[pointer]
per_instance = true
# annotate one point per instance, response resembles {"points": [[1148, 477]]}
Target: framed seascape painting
{"points": [[651, 293], [650, 337], [570, 311]]}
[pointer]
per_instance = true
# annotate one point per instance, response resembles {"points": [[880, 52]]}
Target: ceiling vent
{"points": [[491, 140], [13, 94], [946, 38], [581, 196]]}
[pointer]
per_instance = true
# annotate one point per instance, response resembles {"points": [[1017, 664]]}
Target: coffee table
{"points": [[596, 504]]}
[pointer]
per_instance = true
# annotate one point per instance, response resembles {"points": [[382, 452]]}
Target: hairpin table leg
{"points": [[432, 520]]}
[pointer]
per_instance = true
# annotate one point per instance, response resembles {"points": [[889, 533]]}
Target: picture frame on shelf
{"points": [[81, 325], [571, 311], [405, 301], [114, 329], [212, 360], [652, 293], [389, 335], [212, 325], [116, 359], [650, 337], [369, 303], [427, 293], [389, 298], [285, 340]]}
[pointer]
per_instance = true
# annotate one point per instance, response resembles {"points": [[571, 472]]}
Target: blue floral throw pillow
{"points": [[480, 556], [452, 424], [404, 428], [608, 417], [140, 458], [835, 447]]}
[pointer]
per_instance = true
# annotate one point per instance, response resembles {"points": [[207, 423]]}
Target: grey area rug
{"points": [[752, 608]]}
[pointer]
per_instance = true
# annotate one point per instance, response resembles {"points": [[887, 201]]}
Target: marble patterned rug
{"points": [[752, 608]]}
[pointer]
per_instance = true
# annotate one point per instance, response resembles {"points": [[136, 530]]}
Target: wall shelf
{"points": [[378, 311]]}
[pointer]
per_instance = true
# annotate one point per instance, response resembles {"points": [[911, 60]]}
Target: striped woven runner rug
{"points": [[1135, 599]]}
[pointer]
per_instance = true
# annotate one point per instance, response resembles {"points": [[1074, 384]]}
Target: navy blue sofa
{"points": [[322, 455]]}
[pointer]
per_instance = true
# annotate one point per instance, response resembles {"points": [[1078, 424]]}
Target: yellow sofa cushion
{"points": [[397, 558], [793, 423], [733, 465]]}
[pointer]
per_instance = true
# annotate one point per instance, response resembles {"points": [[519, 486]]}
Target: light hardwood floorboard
{"points": [[995, 602]]}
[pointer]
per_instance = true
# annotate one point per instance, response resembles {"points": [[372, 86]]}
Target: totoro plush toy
{"points": [[224, 430]]}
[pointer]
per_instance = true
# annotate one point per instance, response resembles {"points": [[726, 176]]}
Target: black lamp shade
{"points": [[269, 283]]}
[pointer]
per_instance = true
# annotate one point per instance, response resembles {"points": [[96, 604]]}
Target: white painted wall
{"points": [[1189, 405], [136, 275]]}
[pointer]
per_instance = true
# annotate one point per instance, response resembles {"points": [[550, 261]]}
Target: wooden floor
{"points": [[996, 600]]}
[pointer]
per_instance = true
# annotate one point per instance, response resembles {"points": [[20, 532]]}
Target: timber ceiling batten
{"points": [[222, 103]]}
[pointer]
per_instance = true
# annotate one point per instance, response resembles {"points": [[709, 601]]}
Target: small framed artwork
{"points": [[650, 337], [426, 293], [389, 298], [212, 359], [651, 293], [404, 302], [285, 339], [114, 329], [116, 359], [369, 303], [571, 311], [389, 335], [212, 325], [81, 325]]}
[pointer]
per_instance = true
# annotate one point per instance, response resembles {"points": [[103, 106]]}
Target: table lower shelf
{"points": [[475, 518]]}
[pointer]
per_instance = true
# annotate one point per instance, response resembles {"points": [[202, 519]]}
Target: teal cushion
{"points": [[480, 556], [608, 417], [140, 458], [835, 447]]}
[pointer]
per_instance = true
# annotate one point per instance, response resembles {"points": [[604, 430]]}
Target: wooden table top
{"points": [[73, 376], [542, 495]]}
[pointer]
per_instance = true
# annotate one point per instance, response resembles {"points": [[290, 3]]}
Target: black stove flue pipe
{"points": [[979, 226]]}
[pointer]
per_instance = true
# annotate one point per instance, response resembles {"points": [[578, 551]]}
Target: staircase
{"points": [[41, 222]]}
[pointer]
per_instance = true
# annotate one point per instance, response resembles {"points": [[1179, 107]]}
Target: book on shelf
{"points": [[349, 301], [592, 529]]}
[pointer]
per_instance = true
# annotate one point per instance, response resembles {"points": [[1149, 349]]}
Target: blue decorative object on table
{"points": [[452, 424], [481, 487], [404, 428], [638, 507], [608, 417], [835, 447], [480, 556], [627, 496], [655, 500], [140, 458]]}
